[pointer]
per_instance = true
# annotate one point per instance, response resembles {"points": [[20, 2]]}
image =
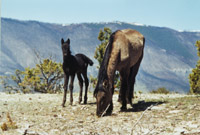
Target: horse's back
{"points": [[134, 37], [83, 60], [130, 44]]}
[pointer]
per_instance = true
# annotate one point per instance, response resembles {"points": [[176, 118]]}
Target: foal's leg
{"points": [[71, 86], [86, 86], [81, 87], [66, 79]]}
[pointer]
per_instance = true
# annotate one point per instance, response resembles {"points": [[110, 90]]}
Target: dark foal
{"points": [[74, 65]]}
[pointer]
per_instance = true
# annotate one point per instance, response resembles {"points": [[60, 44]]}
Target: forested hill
{"points": [[168, 58]]}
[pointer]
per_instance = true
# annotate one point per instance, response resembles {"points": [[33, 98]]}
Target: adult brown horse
{"points": [[124, 53]]}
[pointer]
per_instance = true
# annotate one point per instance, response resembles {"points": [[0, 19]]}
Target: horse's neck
{"points": [[67, 59]]}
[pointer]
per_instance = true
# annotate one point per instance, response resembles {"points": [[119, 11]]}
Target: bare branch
{"points": [[105, 110], [148, 108]]}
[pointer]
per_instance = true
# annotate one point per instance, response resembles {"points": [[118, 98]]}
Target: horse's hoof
{"points": [[85, 100], [123, 109], [120, 101], [108, 113], [63, 105], [80, 100]]}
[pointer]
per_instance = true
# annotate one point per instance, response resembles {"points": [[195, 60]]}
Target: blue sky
{"points": [[176, 14]]}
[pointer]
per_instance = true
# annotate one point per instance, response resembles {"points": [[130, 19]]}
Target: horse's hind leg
{"points": [[119, 96], [66, 78], [123, 89], [130, 91], [71, 86], [132, 76], [81, 87], [86, 86]]}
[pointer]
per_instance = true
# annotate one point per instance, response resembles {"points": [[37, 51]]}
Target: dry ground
{"points": [[153, 114]]}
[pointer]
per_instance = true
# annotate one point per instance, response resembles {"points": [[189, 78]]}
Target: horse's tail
{"points": [[88, 60]]}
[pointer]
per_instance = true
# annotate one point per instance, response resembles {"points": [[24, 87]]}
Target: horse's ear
{"points": [[68, 41], [62, 41]]}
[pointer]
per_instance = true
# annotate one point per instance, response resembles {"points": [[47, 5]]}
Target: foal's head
{"points": [[66, 47]]}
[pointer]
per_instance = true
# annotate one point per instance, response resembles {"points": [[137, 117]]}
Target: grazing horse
{"points": [[74, 65], [124, 53]]}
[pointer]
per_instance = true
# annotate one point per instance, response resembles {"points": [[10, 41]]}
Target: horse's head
{"points": [[65, 47], [103, 97]]}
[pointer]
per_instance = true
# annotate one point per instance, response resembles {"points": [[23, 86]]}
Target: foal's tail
{"points": [[88, 60]]}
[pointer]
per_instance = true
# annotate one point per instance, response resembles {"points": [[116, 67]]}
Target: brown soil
{"points": [[153, 114]]}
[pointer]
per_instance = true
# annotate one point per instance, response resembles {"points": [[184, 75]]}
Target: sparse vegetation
{"points": [[41, 114], [93, 81], [45, 77], [161, 90], [194, 77], [9, 124]]}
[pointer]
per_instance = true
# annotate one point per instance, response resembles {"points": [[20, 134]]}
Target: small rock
{"points": [[174, 111], [55, 115]]}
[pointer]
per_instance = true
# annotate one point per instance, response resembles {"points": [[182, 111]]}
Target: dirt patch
{"points": [[42, 114]]}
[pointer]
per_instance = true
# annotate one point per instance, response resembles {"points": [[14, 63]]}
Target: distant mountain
{"points": [[169, 55]]}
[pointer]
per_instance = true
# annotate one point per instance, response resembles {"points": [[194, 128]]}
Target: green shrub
{"points": [[45, 77], [161, 90], [194, 77]]}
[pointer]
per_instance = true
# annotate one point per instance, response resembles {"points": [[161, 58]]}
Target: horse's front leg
{"points": [[110, 109], [66, 79], [71, 86]]}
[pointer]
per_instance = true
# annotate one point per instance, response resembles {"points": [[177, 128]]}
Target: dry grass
{"points": [[42, 114]]}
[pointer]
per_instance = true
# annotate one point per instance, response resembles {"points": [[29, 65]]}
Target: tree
{"points": [[45, 77], [104, 36], [93, 81], [194, 77]]}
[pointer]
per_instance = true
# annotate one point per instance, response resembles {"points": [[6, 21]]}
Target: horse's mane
{"points": [[103, 68]]}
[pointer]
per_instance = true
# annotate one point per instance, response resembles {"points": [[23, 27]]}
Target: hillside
{"points": [[168, 58], [42, 114]]}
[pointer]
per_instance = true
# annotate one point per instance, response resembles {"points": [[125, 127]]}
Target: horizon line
{"points": [[100, 22]]}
